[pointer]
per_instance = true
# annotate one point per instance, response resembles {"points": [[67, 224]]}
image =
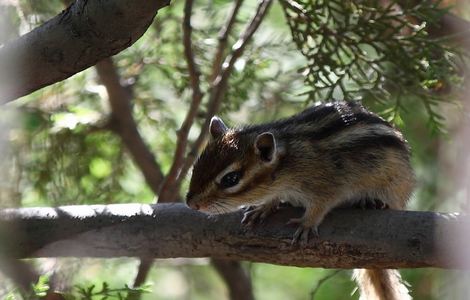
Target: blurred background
{"points": [[61, 146]]}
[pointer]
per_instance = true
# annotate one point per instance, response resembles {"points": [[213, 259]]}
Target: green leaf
{"points": [[100, 168]]}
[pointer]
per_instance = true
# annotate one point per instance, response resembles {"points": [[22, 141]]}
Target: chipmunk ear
{"points": [[265, 146], [217, 127]]}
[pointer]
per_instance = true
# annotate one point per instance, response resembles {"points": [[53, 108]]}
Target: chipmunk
{"points": [[323, 157]]}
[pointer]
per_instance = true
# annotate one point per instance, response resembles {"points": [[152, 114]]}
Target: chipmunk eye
{"points": [[231, 179]]}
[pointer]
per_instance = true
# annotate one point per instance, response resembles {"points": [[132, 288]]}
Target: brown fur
{"points": [[321, 158]]}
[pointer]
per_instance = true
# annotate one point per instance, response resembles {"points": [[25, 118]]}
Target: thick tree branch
{"points": [[348, 238], [77, 38], [123, 123]]}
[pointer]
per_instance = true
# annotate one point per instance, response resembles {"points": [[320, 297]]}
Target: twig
{"points": [[20, 272], [223, 39], [238, 281], [168, 188], [297, 8], [142, 273], [320, 282], [219, 85]]}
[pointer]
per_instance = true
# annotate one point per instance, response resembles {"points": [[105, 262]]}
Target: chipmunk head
{"points": [[235, 168]]}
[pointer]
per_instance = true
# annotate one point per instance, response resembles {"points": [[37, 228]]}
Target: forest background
{"points": [[129, 128]]}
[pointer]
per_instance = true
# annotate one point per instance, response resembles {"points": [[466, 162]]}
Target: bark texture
{"points": [[348, 238], [80, 36]]}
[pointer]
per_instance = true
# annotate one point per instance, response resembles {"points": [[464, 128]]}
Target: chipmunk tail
{"points": [[381, 284]]}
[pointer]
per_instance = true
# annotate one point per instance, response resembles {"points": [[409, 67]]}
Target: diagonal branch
{"points": [[123, 123], [142, 272], [169, 189], [321, 281], [231, 272], [171, 183], [219, 86], [223, 40], [238, 282]]}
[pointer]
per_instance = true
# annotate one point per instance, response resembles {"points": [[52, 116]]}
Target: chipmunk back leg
{"points": [[395, 193], [391, 182]]}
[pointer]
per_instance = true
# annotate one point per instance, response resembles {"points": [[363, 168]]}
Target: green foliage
{"points": [[38, 290], [42, 286], [368, 49], [105, 292], [81, 162], [37, 12]]}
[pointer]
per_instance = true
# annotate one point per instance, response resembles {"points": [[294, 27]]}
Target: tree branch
{"points": [[223, 39], [454, 29], [142, 272], [321, 281], [77, 38], [123, 123], [450, 27], [169, 188], [219, 86], [348, 238], [238, 282], [20, 272]]}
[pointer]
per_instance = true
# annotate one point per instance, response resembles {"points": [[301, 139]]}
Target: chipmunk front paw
{"points": [[257, 214], [303, 232]]}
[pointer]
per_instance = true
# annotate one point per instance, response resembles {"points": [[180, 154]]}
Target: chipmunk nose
{"points": [[190, 202], [193, 205]]}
